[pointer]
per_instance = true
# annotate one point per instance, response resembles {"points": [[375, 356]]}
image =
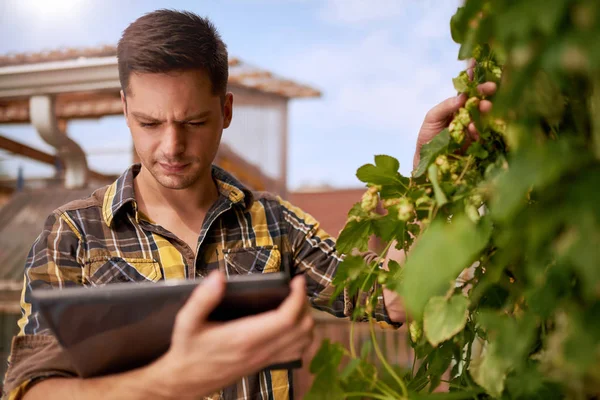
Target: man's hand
{"points": [[439, 117], [392, 300], [205, 357]]}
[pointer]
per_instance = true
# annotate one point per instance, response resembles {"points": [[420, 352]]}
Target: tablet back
{"points": [[122, 326]]}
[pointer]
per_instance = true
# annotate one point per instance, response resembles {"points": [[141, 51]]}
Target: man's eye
{"points": [[200, 123], [148, 124]]}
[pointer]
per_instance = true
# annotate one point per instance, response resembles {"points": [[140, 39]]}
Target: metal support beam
{"points": [[38, 155]]}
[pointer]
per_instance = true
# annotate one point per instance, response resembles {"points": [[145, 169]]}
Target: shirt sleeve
{"points": [[52, 263], [314, 254]]}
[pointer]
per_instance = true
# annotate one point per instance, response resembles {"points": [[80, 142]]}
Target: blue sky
{"points": [[381, 64]]}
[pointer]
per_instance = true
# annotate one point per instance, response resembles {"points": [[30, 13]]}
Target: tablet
{"points": [[122, 326]]}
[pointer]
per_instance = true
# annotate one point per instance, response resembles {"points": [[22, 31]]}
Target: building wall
{"points": [[258, 132]]}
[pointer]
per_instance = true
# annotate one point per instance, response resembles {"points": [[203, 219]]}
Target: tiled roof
{"points": [[240, 73]]}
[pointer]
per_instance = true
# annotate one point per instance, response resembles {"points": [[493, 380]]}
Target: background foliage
{"points": [[515, 216]]}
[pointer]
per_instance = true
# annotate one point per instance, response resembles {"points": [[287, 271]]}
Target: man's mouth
{"points": [[173, 167]]}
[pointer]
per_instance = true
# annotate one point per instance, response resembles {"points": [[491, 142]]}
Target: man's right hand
{"points": [[204, 357], [207, 356]]}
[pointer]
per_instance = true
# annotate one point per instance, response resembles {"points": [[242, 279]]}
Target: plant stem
{"points": [[371, 270], [385, 363], [352, 348], [467, 165], [386, 389], [412, 369], [368, 395]]}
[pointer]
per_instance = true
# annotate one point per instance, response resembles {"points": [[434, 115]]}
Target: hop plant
{"points": [[370, 199]]}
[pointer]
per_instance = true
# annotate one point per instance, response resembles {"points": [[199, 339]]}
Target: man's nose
{"points": [[173, 143]]}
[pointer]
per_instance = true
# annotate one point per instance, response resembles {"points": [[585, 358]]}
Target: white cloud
{"points": [[376, 93]]}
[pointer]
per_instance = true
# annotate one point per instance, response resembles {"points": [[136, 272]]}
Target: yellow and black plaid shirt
{"points": [[103, 239]]}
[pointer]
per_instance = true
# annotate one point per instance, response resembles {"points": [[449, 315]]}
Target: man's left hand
{"points": [[440, 116]]}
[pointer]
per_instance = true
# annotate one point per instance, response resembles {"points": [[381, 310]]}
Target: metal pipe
{"points": [[43, 118]]}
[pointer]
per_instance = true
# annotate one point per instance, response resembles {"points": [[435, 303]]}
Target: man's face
{"points": [[176, 123]]}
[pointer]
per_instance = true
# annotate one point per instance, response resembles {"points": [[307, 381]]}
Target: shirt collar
{"points": [[121, 193]]}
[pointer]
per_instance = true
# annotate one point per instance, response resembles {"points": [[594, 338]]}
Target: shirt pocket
{"points": [[103, 270], [252, 260]]}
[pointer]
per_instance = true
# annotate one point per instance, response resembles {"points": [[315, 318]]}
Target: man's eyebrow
{"points": [[140, 115], [200, 115]]}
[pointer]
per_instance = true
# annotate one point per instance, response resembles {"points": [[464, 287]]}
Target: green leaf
{"points": [[395, 191], [355, 235], [365, 351], [461, 82], [384, 172], [438, 362], [361, 379], [394, 268], [557, 157], [442, 319], [440, 196], [348, 270], [389, 228], [350, 368], [471, 394], [438, 257], [489, 371], [328, 357], [477, 150], [459, 23], [431, 150], [325, 365], [387, 163], [357, 211]]}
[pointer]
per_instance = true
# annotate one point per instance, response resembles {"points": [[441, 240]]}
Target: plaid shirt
{"points": [[103, 239]]}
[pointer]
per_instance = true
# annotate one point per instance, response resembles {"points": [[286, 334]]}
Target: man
{"points": [[177, 216]]}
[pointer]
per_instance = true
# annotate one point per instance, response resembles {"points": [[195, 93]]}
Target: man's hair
{"points": [[168, 40]]}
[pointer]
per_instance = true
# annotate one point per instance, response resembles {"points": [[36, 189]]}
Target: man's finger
{"points": [[203, 300], [270, 324], [295, 303], [487, 88], [471, 68], [445, 109], [485, 106], [472, 130]]}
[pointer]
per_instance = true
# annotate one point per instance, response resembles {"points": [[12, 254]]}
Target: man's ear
{"points": [[227, 110], [124, 104]]}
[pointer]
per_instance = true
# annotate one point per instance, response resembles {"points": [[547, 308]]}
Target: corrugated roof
{"points": [[21, 221]]}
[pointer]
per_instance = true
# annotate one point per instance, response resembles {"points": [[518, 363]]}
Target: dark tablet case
{"points": [[118, 327]]}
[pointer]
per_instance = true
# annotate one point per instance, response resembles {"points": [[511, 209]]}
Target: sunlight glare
{"points": [[52, 10]]}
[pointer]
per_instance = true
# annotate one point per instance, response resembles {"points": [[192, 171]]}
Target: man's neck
{"points": [[187, 203]]}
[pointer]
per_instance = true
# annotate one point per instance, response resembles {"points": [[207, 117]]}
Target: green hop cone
{"points": [[458, 135], [472, 104], [442, 163], [423, 200], [498, 125], [472, 212], [463, 116], [416, 331], [405, 209], [477, 52], [369, 200], [497, 72], [476, 199], [461, 82], [391, 202]]}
